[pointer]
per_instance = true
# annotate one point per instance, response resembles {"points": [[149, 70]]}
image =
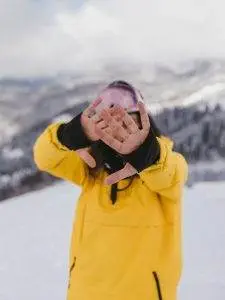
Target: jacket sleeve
{"points": [[168, 175], [51, 156]]}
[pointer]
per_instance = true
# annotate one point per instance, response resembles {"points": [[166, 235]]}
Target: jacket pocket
{"points": [[158, 286], [71, 270]]}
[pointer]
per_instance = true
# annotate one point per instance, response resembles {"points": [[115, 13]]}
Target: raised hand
{"points": [[88, 119], [123, 137], [126, 137]]}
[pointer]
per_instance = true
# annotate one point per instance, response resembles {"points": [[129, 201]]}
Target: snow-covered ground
{"points": [[35, 236]]}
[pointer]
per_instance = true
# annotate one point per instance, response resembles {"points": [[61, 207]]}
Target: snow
{"points": [[35, 234], [209, 94], [12, 153], [217, 166], [14, 179], [205, 93], [62, 118], [204, 243]]}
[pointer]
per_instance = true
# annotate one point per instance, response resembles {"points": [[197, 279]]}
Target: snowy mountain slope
{"points": [[192, 97], [24, 103], [35, 236]]}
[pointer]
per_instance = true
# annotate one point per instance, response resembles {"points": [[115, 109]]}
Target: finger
{"points": [[118, 114], [117, 119], [96, 102], [106, 116], [101, 124], [111, 111], [96, 118], [121, 133], [127, 171], [118, 130], [109, 139], [111, 121], [116, 109], [130, 123], [144, 116], [90, 110], [108, 131], [86, 157], [120, 110], [113, 133]]}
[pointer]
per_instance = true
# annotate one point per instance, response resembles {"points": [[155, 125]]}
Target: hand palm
{"points": [[124, 138], [133, 141], [118, 130]]}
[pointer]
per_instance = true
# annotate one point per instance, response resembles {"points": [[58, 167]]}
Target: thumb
{"points": [[127, 171], [86, 157]]}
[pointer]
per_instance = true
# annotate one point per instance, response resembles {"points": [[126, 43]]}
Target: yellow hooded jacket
{"points": [[130, 250]]}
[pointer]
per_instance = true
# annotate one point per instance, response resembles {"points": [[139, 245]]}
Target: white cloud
{"points": [[46, 37], [89, 22]]}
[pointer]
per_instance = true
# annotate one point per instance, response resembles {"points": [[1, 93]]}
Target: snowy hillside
{"points": [[188, 99], [35, 235], [26, 102]]}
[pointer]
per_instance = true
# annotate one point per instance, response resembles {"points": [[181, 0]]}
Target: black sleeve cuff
{"points": [[146, 155], [72, 135]]}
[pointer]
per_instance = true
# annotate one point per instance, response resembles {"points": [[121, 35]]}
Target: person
{"points": [[126, 240]]}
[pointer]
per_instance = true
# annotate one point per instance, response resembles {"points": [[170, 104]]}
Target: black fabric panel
{"points": [[72, 135], [146, 155]]}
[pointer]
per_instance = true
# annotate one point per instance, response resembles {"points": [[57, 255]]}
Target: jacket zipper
{"points": [[71, 269], [157, 282]]}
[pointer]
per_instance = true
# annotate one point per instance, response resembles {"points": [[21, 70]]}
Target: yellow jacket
{"points": [[130, 250]]}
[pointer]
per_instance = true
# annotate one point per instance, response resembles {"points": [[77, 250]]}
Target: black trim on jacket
{"points": [[72, 134], [146, 155]]}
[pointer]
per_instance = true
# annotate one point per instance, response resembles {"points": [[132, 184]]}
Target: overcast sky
{"points": [[45, 37]]}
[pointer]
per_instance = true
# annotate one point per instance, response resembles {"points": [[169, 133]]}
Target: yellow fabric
{"points": [[116, 248]]}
